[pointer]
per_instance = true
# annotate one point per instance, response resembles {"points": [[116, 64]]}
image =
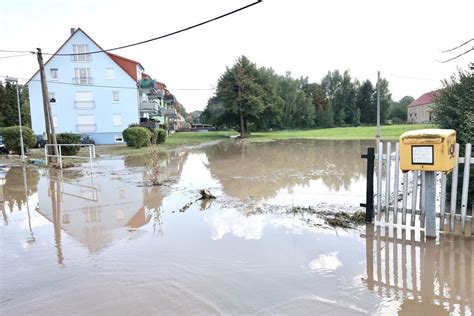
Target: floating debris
{"points": [[206, 195]]}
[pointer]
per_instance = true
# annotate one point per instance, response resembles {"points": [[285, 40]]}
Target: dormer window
{"points": [[81, 50]]}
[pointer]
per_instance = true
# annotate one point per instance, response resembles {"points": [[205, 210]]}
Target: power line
{"points": [[12, 56], [450, 50], [16, 51], [111, 87], [455, 57], [163, 36]]}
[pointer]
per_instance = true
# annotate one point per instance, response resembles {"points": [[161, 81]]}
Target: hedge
{"points": [[137, 136], [69, 138], [11, 138]]}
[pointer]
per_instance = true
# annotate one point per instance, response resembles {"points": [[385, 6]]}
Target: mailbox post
{"points": [[428, 150]]}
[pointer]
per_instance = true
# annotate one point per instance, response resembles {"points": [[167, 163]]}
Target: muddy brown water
{"points": [[102, 242]]}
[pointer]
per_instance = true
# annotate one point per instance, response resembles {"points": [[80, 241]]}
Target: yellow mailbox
{"points": [[428, 150]]}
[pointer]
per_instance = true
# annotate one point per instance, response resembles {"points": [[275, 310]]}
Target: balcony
{"points": [[84, 105], [86, 128], [83, 81], [148, 107], [81, 58]]}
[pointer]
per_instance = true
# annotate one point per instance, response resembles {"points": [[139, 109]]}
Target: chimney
{"points": [[72, 30]]}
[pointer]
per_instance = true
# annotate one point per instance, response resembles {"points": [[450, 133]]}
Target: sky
{"points": [[401, 39]]}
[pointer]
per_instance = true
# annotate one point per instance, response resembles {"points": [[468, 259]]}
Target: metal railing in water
{"points": [[60, 157]]}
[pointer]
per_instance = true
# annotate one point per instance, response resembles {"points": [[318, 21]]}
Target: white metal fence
{"points": [[59, 155], [401, 197]]}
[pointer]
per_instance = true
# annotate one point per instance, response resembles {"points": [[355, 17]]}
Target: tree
{"points": [[398, 110], [365, 102], [9, 105], [323, 110], [341, 92], [242, 92], [454, 106], [454, 109]]}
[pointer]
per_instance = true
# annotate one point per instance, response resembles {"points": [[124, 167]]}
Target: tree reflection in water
{"points": [[261, 169]]}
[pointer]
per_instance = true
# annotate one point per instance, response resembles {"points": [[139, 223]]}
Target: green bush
{"points": [[137, 136], [69, 138], [11, 138], [161, 135]]}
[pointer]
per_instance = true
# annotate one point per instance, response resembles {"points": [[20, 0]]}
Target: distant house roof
{"points": [[128, 65], [426, 98]]}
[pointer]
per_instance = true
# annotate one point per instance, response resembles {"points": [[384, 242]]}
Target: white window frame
{"points": [[88, 123], [117, 119], [81, 49], [52, 95], [83, 80], [54, 73], [84, 103], [118, 138], [115, 93], [110, 73]]}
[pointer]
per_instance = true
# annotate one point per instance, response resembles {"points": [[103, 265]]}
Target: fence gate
{"points": [[400, 198]]}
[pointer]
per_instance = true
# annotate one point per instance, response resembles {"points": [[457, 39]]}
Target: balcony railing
{"points": [[81, 58], [148, 107], [84, 105], [85, 81], [86, 128]]}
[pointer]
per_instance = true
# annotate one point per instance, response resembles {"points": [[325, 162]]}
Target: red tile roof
{"points": [[128, 65], [426, 98]]}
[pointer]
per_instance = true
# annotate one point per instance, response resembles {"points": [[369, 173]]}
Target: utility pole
{"points": [[22, 146], [48, 119]]}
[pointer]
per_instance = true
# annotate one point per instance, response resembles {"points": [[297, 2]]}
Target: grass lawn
{"points": [[361, 132]]}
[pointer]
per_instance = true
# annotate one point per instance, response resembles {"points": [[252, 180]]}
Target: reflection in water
{"points": [[215, 257], [264, 170], [421, 276], [14, 189]]}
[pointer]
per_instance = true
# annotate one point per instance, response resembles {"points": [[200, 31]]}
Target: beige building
{"points": [[419, 110]]}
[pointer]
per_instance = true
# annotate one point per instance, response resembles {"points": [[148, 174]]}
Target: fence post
{"points": [[369, 191], [465, 186], [429, 205]]}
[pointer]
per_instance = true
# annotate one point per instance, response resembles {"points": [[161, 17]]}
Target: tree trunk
{"points": [[242, 131]]}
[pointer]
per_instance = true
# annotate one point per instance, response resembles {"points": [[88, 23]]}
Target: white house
{"points": [[95, 94]]}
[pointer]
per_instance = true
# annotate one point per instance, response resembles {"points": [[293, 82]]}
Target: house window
{"points": [[54, 73], [86, 124], [52, 97], [84, 100], [119, 138], [55, 121], [81, 50], [117, 119], [66, 219], [110, 73], [122, 194], [82, 76], [116, 96]]}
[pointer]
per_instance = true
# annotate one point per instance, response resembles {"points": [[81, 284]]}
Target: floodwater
{"points": [[103, 242]]}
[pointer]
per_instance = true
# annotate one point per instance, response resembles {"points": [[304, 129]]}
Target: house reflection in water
{"points": [[89, 209], [421, 276]]}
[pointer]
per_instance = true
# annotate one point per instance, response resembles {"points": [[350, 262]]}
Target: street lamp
{"points": [[15, 80]]}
